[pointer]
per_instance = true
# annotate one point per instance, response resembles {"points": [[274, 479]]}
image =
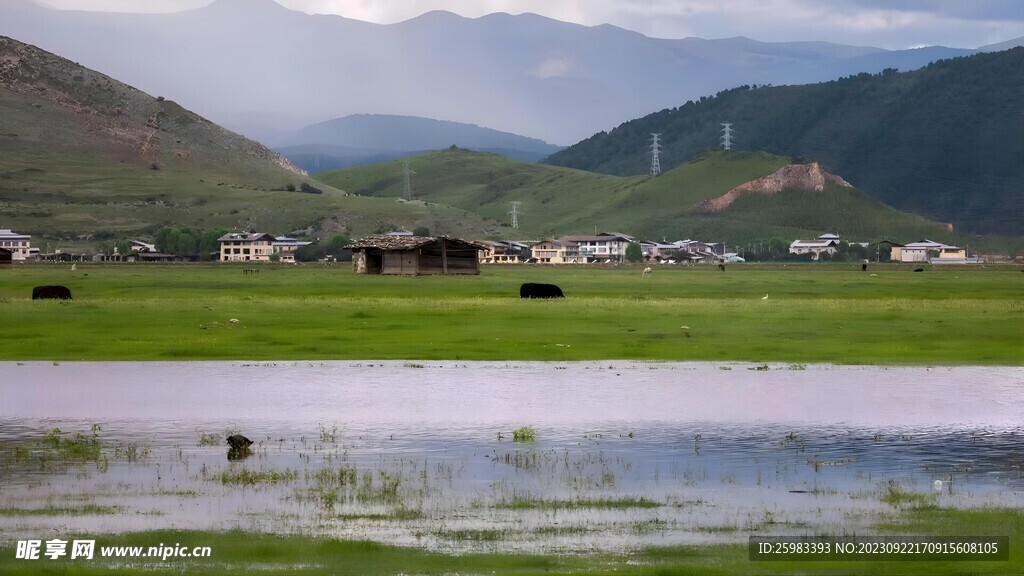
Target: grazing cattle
{"points": [[51, 292], [919, 270], [721, 267], [863, 267], [647, 271], [531, 290], [238, 442]]}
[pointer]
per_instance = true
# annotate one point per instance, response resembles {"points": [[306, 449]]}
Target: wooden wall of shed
{"points": [[401, 262], [460, 260]]}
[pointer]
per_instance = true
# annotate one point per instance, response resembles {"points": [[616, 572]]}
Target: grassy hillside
{"points": [[942, 141], [558, 201], [87, 158]]}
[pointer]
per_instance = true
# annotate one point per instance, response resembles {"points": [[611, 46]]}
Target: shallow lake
{"points": [[622, 454]]}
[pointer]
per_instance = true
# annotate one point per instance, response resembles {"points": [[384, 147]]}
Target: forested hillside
{"points": [[944, 141]]}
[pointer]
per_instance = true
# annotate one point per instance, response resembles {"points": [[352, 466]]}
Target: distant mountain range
{"points": [[265, 71], [944, 141], [369, 138]]}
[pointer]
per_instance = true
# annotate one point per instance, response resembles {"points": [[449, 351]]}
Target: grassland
{"points": [[812, 313]]}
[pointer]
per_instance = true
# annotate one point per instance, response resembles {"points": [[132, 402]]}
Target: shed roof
{"points": [[384, 242]]}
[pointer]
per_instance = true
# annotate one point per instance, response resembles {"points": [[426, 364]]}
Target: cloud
{"points": [[553, 67]]}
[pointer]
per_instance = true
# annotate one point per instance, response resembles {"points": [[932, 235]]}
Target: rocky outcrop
{"points": [[807, 177]]}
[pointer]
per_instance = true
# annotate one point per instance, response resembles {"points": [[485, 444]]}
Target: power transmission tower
{"points": [[407, 172], [655, 150], [515, 215], [727, 135]]}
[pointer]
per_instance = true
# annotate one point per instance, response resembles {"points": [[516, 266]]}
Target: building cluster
{"points": [[404, 253], [924, 251], [605, 247]]}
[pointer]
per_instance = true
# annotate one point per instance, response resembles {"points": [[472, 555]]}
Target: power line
{"points": [[727, 135]]}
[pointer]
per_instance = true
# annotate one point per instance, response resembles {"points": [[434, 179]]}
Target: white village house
{"points": [[824, 244], [930, 251], [602, 247], [20, 245]]}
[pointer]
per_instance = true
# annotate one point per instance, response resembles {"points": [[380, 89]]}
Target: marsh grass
{"points": [[620, 503], [894, 495], [524, 435], [210, 439], [241, 476], [54, 510]]}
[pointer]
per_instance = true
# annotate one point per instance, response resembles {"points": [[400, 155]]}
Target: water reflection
{"points": [[625, 454]]}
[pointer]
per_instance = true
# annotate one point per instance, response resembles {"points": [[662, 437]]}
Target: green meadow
{"points": [[832, 313]]}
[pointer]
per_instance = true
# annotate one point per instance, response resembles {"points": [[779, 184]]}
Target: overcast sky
{"points": [[892, 24]]}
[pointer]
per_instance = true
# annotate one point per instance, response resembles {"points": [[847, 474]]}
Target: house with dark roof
{"points": [[415, 255]]}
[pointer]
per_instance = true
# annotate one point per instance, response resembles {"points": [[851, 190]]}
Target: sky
{"points": [[890, 24]]}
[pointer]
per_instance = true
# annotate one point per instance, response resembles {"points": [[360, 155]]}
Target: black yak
{"points": [[51, 293], [238, 442], [531, 290]]}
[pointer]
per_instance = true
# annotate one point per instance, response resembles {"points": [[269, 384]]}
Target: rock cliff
{"points": [[808, 177]]}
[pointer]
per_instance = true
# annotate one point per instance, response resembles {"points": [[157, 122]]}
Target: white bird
{"points": [[765, 297]]}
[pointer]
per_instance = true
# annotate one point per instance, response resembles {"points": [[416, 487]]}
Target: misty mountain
{"points": [[265, 71], [943, 141], [369, 138], [86, 158]]}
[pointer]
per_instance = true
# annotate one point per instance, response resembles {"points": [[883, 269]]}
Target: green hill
{"points": [[556, 201], [943, 141], [86, 158]]}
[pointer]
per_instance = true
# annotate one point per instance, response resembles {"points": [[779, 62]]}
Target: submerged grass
{"points": [[84, 510], [624, 502], [948, 316], [245, 477], [238, 552]]}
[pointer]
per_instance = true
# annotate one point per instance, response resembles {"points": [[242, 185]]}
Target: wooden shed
{"points": [[415, 255]]}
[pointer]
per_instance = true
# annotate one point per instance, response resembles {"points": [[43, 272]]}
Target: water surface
{"points": [[422, 453]]}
